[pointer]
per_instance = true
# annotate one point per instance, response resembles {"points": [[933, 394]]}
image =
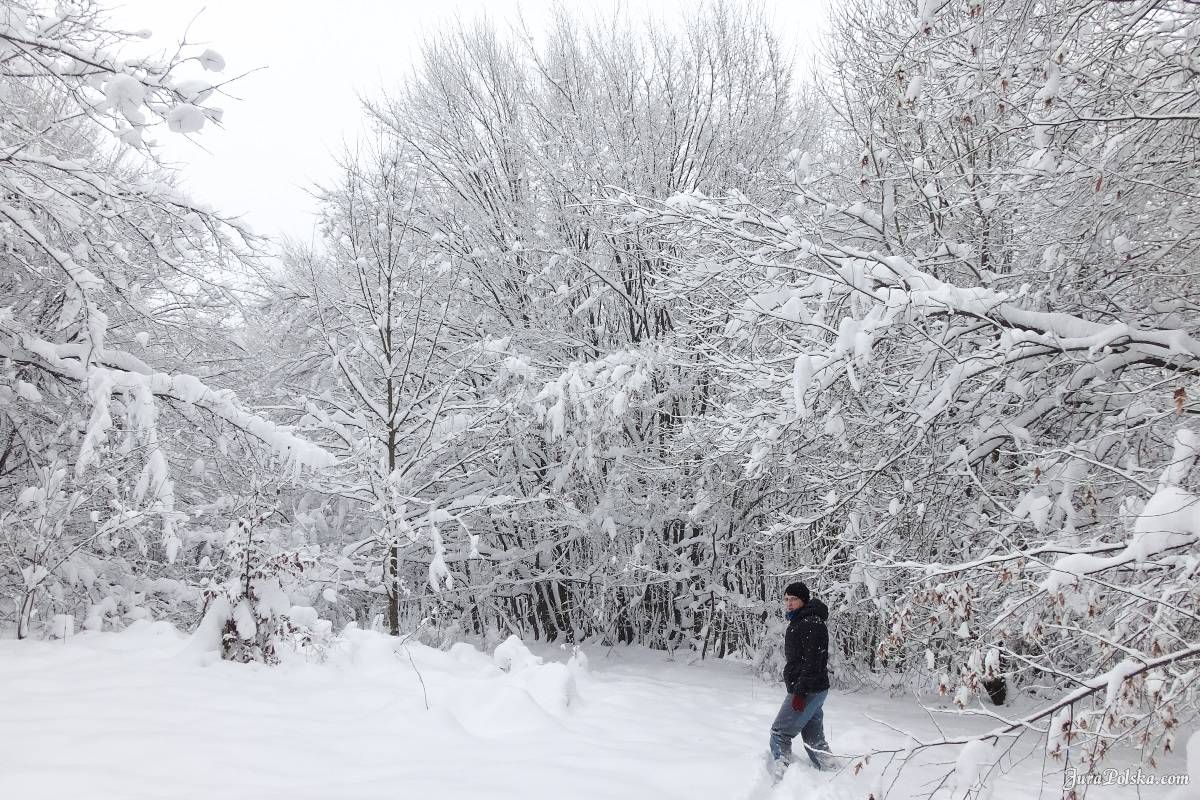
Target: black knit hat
{"points": [[797, 590]]}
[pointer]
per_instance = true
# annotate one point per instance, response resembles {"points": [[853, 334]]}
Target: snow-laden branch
{"points": [[104, 371]]}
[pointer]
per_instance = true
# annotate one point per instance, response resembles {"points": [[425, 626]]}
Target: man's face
{"points": [[791, 603]]}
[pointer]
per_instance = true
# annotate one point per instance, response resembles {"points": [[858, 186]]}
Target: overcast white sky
{"points": [[279, 136]]}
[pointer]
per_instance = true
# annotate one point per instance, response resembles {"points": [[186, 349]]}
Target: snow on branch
{"points": [[104, 371]]}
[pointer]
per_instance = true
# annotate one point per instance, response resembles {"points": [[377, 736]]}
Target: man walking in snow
{"points": [[806, 675]]}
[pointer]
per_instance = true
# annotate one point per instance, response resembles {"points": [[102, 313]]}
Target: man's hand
{"points": [[797, 702]]}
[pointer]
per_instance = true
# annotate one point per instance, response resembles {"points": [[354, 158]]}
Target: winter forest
{"points": [[613, 329]]}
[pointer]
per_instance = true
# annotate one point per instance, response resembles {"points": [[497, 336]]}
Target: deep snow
{"points": [[150, 713]]}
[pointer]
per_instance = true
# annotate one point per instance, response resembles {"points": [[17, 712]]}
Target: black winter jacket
{"points": [[806, 648]]}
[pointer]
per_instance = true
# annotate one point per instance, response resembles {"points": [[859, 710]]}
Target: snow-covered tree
{"points": [[106, 266], [388, 371]]}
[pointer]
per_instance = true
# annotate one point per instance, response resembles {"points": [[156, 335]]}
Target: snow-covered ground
{"points": [[148, 713]]}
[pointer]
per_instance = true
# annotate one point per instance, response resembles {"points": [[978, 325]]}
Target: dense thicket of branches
{"points": [[500, 349], [613, 331]]}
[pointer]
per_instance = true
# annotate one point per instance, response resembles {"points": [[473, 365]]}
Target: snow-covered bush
{"points": [[251, 607]]}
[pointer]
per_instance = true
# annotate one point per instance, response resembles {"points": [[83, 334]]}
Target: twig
{"points": [[424, 692], [404, 644]]}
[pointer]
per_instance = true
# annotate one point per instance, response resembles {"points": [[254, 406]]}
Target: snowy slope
{"points": [[149, 714]]}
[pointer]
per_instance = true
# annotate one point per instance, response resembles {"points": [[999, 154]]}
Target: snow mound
{"points": [[512, 655], [552, 686], [467, 655]]}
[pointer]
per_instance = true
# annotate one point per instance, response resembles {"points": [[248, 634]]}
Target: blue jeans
{"points": [[790, 723]]}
